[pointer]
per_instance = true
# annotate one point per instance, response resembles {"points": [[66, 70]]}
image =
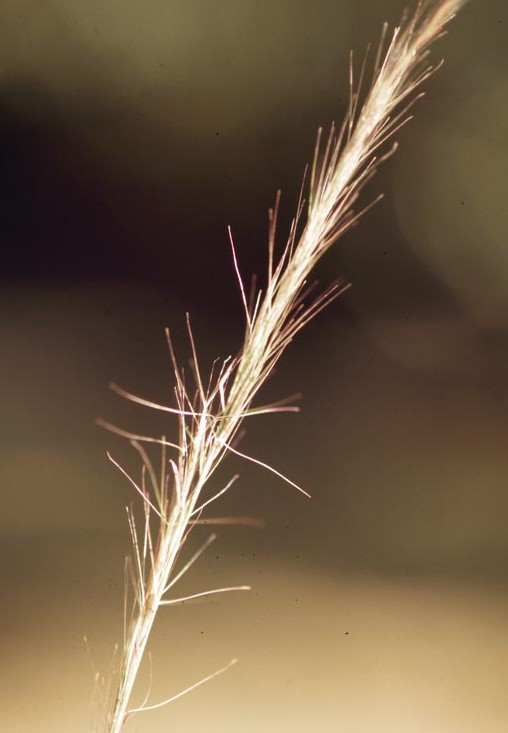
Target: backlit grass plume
{"points": [[211, 411]]}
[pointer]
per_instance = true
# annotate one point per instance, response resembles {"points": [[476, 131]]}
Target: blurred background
{"points": [[131, 135]]}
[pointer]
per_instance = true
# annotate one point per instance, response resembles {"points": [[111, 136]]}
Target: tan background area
{"points": [[131, 134]]}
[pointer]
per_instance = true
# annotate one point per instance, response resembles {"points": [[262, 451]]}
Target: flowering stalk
{"points": [[211, 414]]}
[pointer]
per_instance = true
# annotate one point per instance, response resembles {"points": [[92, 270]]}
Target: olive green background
{"points": [[131, 134]]}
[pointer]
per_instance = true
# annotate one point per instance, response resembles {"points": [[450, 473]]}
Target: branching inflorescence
{"points": [[211, 412]]}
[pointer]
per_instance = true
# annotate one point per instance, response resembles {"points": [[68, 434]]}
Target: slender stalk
{"points": [[211, 413], [135, 649]]}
